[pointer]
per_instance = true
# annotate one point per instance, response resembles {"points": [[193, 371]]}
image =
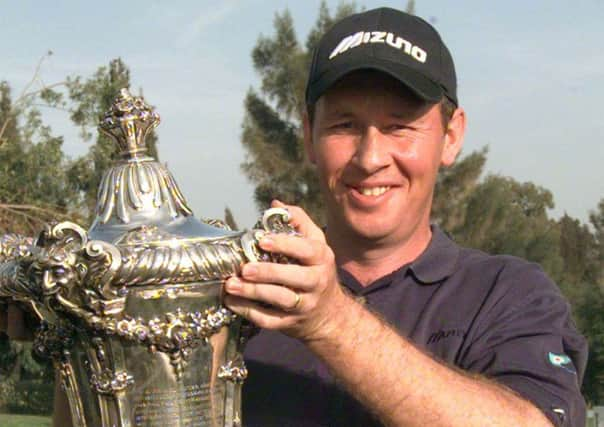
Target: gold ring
{"points": [[296, 303]]}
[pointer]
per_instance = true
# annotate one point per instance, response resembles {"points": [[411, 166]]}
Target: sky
{"points": [[530, 77]]}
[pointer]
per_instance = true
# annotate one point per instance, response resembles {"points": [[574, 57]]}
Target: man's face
{"points": [[378, 150]]}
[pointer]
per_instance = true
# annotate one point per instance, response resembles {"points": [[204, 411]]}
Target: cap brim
{"points": [[417, 83]]}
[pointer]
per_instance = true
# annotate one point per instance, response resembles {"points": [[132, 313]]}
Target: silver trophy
{"points": [[131, 310]]}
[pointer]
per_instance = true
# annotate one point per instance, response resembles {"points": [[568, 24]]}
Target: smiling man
{"points": [[386, 321]]}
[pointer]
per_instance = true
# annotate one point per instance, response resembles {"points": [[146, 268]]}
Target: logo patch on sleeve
{"points": [[561, 361]]}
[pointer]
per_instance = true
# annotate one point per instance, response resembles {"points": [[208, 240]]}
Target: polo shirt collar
{"points": [[438, 261], [435, 264], [355, 286]]}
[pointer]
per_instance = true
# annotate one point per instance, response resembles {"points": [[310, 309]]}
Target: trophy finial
{"points": [[136, 189], [128, 121]]}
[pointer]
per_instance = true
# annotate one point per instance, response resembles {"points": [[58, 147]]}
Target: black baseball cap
{"points": [[388, 40]]}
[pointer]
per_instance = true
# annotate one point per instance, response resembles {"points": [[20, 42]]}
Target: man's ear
{"points": [[454, 136], [308, 145]]}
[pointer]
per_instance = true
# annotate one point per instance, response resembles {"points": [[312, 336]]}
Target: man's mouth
{"points": [[372, 191]]}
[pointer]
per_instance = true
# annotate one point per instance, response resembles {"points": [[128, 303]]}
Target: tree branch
{"points": [[27, 94], [19, 208]]}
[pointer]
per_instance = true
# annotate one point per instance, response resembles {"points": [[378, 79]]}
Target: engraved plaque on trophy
{"points": [[131, 310]]}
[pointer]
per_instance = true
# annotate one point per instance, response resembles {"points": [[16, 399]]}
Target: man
{"points": [[386, 321]]}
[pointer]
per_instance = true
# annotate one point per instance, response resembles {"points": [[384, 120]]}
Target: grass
{"points": [[11, 420]]}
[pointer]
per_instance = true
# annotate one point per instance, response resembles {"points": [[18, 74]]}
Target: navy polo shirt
{"points": [[498, 316]]}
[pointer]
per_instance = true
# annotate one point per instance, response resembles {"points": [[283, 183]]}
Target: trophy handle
{"points": [[274, 221]]}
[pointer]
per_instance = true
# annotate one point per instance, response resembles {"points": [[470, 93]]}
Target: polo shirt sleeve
{"points": [[524, 338]]}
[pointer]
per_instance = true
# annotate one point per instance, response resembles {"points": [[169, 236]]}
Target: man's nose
{"points": [[372, 152]]}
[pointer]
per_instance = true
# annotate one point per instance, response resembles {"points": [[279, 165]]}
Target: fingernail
{"points": [[249, 270], [266, 243], [233, 284]]}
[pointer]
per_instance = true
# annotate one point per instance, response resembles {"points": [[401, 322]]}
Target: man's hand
{"points": [[296, 299]]}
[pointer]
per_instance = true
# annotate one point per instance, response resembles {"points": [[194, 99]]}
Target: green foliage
{"points": [[325, 21], [454, 186], [590, 305], [589, 312], [8, 355], [596, 218], [578, 248], [34, 187], [498, 205], [26, 386], [8, 121]]}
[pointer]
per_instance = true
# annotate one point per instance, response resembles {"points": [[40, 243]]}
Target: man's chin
{"points": [[372, 232], [372, 226]]}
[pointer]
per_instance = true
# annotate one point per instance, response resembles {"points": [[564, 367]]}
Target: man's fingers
{"points": [[280, 297], [300, 220], [262, 316], [287, 275], [306, 250]]}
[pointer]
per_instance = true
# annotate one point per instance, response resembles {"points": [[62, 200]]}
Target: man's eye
{"points": [[397, 127], [341, 125]]}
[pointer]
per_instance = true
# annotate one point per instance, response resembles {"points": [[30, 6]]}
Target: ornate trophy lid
{"points": [[138, 194]]}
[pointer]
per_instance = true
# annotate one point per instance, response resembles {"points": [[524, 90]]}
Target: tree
{"points": [[454, 186], [579, 252], [503, 216], [596, 218], [38, 183], [8, 121], [590, 305], [34, 187], [590, 318]]}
